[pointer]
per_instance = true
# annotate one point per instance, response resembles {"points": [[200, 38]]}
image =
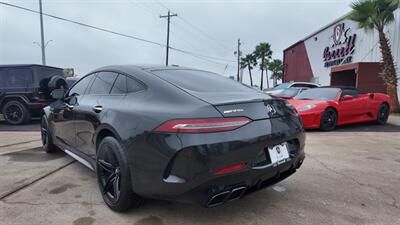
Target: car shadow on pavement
{"points": [[364, 127], [33, 125]]}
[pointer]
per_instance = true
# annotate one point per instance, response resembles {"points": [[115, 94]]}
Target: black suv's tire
{"points": [[47, 141], [383, 114], [114, 176], [15, 112], [328, 120]]}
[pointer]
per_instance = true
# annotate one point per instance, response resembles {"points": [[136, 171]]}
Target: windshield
{"points": [[283, 85], [289, 91], [318, 94]]}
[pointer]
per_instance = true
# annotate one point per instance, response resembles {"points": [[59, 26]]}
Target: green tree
{"points": [[276, 67], [249, 61], [376, 14], [263, 52]]}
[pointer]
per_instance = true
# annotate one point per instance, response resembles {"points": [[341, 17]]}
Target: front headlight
{"points": [[307, 107]]}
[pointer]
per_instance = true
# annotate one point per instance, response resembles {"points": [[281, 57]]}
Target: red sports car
{"points": [[327, 107]]}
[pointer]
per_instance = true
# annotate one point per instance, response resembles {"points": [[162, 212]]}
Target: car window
{"points": [[119, 85], [3, 74], [201, 81], [103, 83], [19, 77], [283, 85], [310, 85], [318, 94], [133, 85], [80, 87], [351, 92], [290, 91], [304, 85]]}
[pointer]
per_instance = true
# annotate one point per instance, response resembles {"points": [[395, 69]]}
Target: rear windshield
{"points": [[318, 94], [201, 81], [289, 91], [283, 85]]}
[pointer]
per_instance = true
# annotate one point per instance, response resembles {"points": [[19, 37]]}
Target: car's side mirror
{"points": [[346, 98], [57, 94]]}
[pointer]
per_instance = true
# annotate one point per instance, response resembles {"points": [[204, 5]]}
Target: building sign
{"points": [[342, 49]]}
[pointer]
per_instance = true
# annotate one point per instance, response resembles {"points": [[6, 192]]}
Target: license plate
{"points": [[278, 153]]}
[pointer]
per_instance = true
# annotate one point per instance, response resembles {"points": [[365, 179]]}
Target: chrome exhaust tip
{"points": [[218, 199], [226, 196], [237, 193]]}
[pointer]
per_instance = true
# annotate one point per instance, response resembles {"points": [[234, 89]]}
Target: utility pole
{"points": [[169, 20], [42, 34], [239, 54]]}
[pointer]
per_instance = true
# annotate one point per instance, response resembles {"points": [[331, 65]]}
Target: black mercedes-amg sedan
{"points": [[173, 133]]}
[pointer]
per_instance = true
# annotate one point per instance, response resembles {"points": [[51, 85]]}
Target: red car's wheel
{"points": [[383, 114], [328, 120]]}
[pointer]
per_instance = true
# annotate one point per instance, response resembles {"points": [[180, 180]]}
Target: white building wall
{"points": [[366, 46]]}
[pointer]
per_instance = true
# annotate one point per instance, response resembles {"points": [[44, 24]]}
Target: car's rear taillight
{"points": [[202, 125]]}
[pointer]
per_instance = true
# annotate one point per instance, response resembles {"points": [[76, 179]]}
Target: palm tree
{"points": [[263, 52], [248, 61], [376, 14], [276, 67]]}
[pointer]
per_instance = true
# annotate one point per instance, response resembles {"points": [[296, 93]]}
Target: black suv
{"points": [[25, 90]]}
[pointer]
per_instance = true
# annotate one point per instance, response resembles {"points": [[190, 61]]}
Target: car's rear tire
{"points": [[328, 120], [383, 114], [47, 141], [15, 112], [114, 176]]}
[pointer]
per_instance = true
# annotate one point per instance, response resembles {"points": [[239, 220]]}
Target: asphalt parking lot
{"points": [[350, 176]]}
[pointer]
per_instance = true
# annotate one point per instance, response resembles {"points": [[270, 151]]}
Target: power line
{"points": [[117, 33], [162, 5], [147, 10], [196, 28], [85, 25], [201, 55], [204, 33]]}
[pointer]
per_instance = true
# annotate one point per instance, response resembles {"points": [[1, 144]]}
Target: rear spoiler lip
{"points": [[245, 101]]}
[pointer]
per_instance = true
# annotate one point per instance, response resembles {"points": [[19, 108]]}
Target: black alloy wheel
{"points": [[114, 176], [110, 176], [383, 114], [15, 113], [47, 142], [328, 120]]}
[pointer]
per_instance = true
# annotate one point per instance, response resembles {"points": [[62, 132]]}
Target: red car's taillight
{"points": [[202, 125]]}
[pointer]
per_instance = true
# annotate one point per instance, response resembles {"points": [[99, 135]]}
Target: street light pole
{"points": [[42, 34], [239, 54]]}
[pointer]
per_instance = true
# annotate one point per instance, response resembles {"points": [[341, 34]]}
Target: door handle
{"points": [[97, 108]]}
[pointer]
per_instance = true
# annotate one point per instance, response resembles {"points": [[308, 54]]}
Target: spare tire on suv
{"points": [[57, 82]]}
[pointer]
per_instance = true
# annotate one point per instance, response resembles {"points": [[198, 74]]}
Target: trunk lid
{"points": [[254, 105]]}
